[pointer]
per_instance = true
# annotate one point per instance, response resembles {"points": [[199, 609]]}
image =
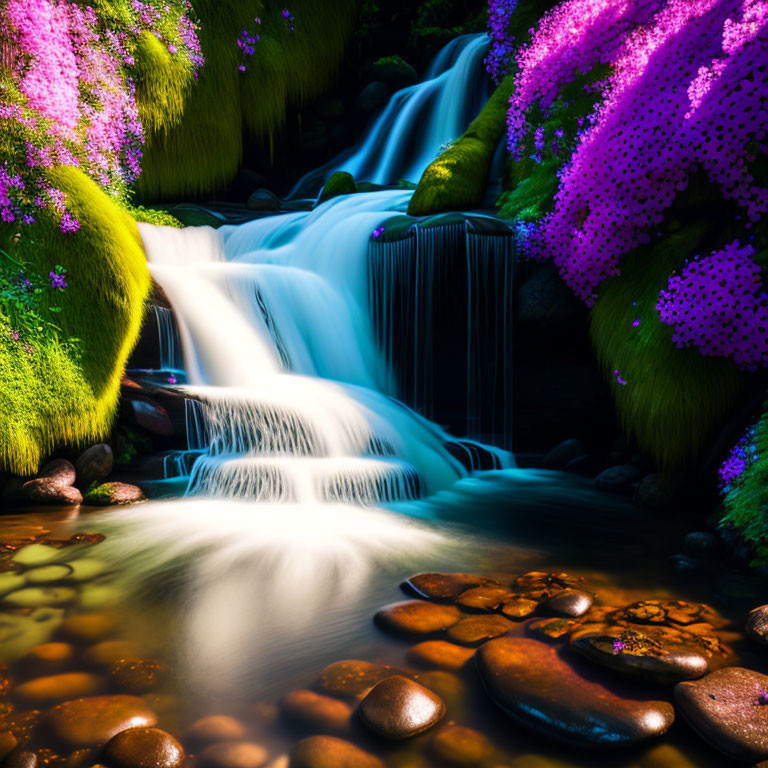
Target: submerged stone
{"points": [[552, 629], [539, 585], [440, 654], [540, 690], [460, 746], [445, 586], [234, 754], [757, 624], [352, 677], [571, 604], [47, 574], [316, 711], [36, 554], [45, 690], [143, 748], [484, 598], [215, 728], [417, 618], [34, 597], [398, 708], [330, 752], [476, 629], [729, 709], [518, 607]]}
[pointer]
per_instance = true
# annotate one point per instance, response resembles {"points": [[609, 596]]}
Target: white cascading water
{"points": [[298, 442]]}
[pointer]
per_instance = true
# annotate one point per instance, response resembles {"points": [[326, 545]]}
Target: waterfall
{"points": [[418, 121], [168, 338]]}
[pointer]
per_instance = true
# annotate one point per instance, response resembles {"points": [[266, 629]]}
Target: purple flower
{"points": [[58, 281], [14, 335], [377, 233], [69, 223], [636, 322], [172, 380], [286, 14], [618, 378], [6, 214], [618, 646], [242, 67], [172, 48], [762, 697], [29, 349]]}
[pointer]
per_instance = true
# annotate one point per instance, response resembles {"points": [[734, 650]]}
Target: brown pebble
{"points": [[571, 604], [215, 728], [234, 754], [137, 675], [143, 748], [440, 654], [49, 656], [352, 677], [519, 607], [398, 708], [330, 752], [70, 685], [417, 618], [316, 711], [477, 629], [90, 627], [485, 598], [7, 743], [457, 745], [107, 652]]}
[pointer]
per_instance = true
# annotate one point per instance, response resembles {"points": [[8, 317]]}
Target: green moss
{"points": [[51, 397], [457, 179], [340, 183], [99, 494], [201, 153], [674, 398], [746, 501]]}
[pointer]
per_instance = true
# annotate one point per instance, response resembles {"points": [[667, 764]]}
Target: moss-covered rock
{"points": [[340, 183], [458, 177], [112, 494]]}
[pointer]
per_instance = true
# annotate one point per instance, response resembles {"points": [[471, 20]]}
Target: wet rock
{"points": [[340, 183], [562, 453], [86, 568], [137, 675], [313, 710], [539, 585], [703, 544], [456, 745], [729, 709], [667, 612], [552, 629], [234, 754], [47, 574], [36, 554], [45, 690], [47, 656], [58, 472], [518, 607], [10, 582], [90, 627], [398, 708], [215, 728], [394, 70], [417, 618], [618, 479], [478, 629], [374, 96], [263, 200], [33, 597], [537, 688], [153, 417], [330, 752], [20, 758], [94, 720], [352, 677], [107, 652], [486, 598], [571, 604], [94, 464], [757, 624], [45, 491], [114, 493], [440, 654], [7, 743], [143, 748], [445, 587], [660, 654]]}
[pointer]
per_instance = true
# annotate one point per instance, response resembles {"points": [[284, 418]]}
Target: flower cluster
{"points": [[501, 52], [688, 90], [288, 20], [717, 304], [68, 97], [741, 456], [247, 44]]}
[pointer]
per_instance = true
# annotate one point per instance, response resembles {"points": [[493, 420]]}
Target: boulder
{"points": [[562, 453], [394, 70], [153, 417], [94, 464], [618, 479], [263, 200], [340, 183], [113, 493], [374, 96]]}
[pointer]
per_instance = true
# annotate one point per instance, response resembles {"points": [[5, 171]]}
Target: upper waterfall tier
{"points": [[417, 122]]}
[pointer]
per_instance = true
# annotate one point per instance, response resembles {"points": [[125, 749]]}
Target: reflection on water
{"points": [[245, 602]]}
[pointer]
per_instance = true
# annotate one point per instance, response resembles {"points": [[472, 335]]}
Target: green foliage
{"points": [[340, 183], [674, 398], [746, 502], [51, 397], [458, 177], [202, 153], [152, 215], [99, 494]]}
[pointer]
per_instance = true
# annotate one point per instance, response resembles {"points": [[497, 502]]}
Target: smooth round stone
{"points": [[478, 629], [47, 574], [234, 754], [48, 655], [137, 675], [518, 607], [541, 585], [485, 598], [571, 604], [114, 493], [90, 627], [330, 752], [552, 629], [757, 624], [398, 708], [94, 597], [725, 709], [45, 491], [44, 690], [352, 677], [143, 748], [417, 618], [460, 746], [316, 711], [107, 652], [662, 655], [9, 582], [94, 720], [94, 464], [667, 612], [440, 654], [35, 597], [537, 688], [215, 728], [36, 554], [447, 685], [86, 568], [444, 586]]}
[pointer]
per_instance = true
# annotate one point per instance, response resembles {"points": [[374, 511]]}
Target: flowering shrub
{"points": [[742, 455], [717, 304], [68, 97], [501, 52]]}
